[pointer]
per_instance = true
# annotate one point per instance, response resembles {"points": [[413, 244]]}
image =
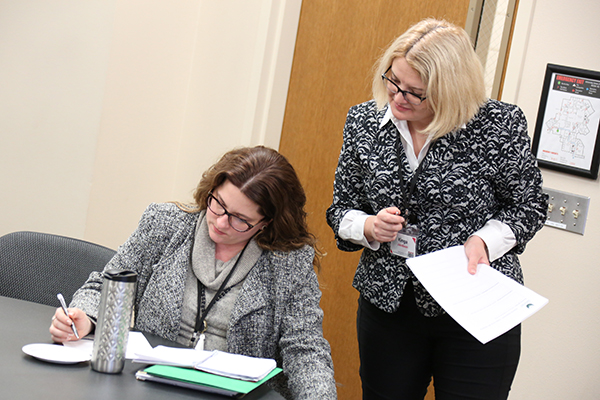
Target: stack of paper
{"points": [[237, 366], [234, 366], [164, 355]]}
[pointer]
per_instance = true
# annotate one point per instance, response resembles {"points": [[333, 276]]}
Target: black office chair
{"points": [[36, 266]]}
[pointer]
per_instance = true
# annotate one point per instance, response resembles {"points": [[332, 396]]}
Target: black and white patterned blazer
{"points": [[481, 172], [276, 314]]}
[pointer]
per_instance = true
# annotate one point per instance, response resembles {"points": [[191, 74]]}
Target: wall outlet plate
{"points": [[567, 211]]}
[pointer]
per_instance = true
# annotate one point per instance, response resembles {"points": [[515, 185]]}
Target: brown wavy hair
{"points": [[269, 180]]}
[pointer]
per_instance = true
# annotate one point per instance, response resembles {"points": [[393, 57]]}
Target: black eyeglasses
{"points": [[237, 223], [394, 89]]}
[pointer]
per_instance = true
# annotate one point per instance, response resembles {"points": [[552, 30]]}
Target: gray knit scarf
{"points": [[211, 273]]}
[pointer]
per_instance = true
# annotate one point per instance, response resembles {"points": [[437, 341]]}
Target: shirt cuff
{"points": [[498, 238], [352, 228]]}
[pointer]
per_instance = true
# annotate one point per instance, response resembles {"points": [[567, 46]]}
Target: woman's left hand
{"points": [[476, 251]]}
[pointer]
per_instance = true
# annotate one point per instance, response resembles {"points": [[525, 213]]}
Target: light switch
{"points": [[567, 211]]}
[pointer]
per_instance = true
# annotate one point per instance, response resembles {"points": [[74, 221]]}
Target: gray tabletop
{"points": [[24, 377]]}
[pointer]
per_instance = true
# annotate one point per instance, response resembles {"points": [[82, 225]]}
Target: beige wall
{"points": [[53, 61], [561, 344], [109, 105]]}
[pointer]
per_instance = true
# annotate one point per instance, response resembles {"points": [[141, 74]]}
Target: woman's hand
{"points": [[384, 226], [476, 251], [60, 329]]}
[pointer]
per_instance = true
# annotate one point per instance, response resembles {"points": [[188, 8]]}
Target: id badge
{"points": [[405, 244]]}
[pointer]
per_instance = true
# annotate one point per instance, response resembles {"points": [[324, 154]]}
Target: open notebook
{"points": [[231, 365]]}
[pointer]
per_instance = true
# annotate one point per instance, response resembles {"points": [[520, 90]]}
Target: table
{"points": [[24, 377]]}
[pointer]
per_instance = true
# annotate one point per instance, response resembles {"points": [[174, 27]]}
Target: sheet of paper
{"points": [[486, 304], [237, 366], [136, 342], [174, 356]]}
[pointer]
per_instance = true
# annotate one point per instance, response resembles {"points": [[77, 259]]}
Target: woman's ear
{"points": [[265, 225]]}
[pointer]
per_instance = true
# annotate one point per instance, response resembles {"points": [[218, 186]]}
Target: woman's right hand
{"points": [[384, 226], [60, 329]]}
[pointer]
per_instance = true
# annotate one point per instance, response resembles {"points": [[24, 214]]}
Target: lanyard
{"points": [[200, 327], [407, 196]]}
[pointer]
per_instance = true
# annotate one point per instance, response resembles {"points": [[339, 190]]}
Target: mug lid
{"points": [[120, 275]]}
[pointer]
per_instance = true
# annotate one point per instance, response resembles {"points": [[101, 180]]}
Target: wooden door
{"points": [[337, 45]]}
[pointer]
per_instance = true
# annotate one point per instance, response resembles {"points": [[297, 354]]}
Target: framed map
{"points": [[566, 136]]}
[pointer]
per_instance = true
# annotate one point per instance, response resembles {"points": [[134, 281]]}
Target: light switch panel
{"points": [[567, 211]]}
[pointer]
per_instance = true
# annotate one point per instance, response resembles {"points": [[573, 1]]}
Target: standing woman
{"points": [[432, 154], [234, 272]]}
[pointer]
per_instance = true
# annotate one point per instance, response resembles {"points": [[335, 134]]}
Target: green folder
{"points": [[199, 380]]}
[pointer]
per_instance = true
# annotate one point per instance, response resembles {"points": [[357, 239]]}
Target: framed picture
{"points": [[566, 136]]}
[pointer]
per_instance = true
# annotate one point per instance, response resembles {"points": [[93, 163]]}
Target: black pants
{"points": [[400, 352]]}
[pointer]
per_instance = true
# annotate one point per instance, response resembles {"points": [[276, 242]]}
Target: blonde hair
{"points": [[443, 56]]}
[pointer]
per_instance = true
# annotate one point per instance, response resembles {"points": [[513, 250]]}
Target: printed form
{"points": [[486, 304]]}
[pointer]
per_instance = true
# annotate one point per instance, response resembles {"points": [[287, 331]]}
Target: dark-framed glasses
{"points": [[394, 89], [237, 223]]}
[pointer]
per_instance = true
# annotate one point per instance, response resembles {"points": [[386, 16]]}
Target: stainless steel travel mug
{"points": [[114, 319]]}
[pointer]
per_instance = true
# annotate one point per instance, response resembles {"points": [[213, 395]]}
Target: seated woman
{"points": [[248, 222]]}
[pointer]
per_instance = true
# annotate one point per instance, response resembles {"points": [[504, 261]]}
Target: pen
{"points": [[64, 307]]}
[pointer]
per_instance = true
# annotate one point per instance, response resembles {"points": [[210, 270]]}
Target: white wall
{"points": [[53, 61], [561, 344], [110, 105]]}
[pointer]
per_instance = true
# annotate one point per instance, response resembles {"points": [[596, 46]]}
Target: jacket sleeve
{"points": [[136, 254], [519, 181], [306, 354], [348, 186]]}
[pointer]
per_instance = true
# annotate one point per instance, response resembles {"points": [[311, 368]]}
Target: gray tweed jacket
{"points": [[276, 314]]}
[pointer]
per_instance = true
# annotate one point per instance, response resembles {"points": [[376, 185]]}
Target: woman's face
{"points": [[409, 80], [234, 202]]}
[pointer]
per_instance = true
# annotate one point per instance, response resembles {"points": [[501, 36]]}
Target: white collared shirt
{"points": [[406, 139], [498, 236]]}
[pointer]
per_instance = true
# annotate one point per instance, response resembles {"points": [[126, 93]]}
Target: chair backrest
{"points": [[37, 266]]}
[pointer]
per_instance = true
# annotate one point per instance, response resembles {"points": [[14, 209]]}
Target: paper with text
{"points": [[486, 304]]}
